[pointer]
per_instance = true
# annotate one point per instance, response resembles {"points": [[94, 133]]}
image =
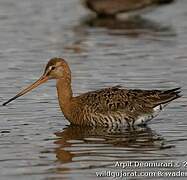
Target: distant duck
{"points": [[108, 107], [114, 7]]}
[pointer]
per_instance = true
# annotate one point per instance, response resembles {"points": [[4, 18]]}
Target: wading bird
{"points": [[109, 107], [114, 7]]}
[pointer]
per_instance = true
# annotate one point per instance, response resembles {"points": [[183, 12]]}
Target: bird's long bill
{"points": [[29, 88]]}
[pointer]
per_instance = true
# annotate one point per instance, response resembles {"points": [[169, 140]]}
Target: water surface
{"points": [[36, 141]]}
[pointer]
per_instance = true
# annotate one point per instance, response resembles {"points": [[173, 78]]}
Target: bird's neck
{"points": [[64, 91]]}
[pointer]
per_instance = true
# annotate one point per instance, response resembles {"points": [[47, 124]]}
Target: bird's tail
{"points": [[167, 96]]}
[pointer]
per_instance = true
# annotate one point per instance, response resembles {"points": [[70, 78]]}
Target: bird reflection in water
{"points": [[133, 26], [80, 142]]}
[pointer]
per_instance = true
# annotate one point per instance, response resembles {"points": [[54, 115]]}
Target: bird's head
{"points": [[56, 68]]}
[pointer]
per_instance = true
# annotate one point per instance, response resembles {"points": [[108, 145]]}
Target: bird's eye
{"points": [[52, 67]]}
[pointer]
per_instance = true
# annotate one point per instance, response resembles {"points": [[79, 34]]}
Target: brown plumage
{"points": [[113, 7], [107, 107]]}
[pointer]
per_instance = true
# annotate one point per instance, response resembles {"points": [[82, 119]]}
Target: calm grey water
{"points": [[149, 52]]}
